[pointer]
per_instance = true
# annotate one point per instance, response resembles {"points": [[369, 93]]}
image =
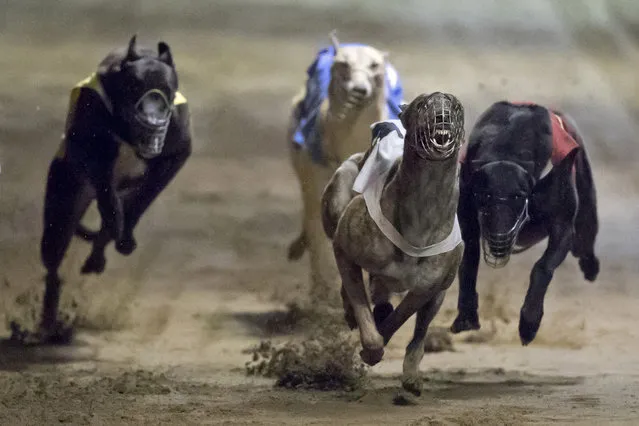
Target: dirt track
{"points": [[163, 331]]}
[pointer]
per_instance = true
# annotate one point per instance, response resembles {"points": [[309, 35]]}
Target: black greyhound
{"points": [[127, 135], [525, 177]]}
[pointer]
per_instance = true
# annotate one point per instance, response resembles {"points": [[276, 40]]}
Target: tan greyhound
{"points": [[402, 229], [356, 98]]}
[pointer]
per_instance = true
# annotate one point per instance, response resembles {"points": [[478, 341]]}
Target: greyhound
{"points": [[525, 177], [349, 87], [127, 135], [392, 212]]}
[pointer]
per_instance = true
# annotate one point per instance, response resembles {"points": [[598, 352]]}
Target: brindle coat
{"points": [[420, 199]]}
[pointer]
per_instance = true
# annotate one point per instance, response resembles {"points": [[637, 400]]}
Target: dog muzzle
{"points": [[498, 247], [150, 124], [443, 131]]}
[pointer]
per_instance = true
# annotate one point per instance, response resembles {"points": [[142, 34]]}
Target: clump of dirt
{"points": [[23, 316], [138, 382], [25, 313], [326, 361], [438, 339]]}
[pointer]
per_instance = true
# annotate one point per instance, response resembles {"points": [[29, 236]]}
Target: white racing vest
{"points": [[388, 146]]}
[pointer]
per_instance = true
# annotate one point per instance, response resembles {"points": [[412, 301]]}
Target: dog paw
{"points": [[528, 326], [371, 356], [465, 321], [58, 333], [590, 267], [126, 246], [94, 264], [413, 385], [381, 312]]}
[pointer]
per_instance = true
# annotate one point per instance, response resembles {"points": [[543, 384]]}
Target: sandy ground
{"points": [[163, 331]]}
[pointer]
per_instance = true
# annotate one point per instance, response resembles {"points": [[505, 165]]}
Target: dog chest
{"points": [[128, 165], [417, 274]]}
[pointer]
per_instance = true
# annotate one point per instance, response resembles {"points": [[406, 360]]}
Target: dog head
{"points": [[501, 190], [434, 125], [357, 74], [142, 87]]}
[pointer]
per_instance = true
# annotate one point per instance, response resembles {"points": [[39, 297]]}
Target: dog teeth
{"points": [[441, 132]]}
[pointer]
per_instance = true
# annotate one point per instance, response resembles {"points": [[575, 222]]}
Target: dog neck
{"points": [[422, 197]]}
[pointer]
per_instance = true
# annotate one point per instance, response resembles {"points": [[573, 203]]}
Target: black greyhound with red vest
{"points": [[127, 135], [525, 177]]}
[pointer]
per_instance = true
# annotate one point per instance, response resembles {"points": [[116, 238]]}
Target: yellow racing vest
{"points": [[92, 82]]}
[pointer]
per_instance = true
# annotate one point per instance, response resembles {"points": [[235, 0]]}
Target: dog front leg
{"points": [[159, 174], [467, 303], [353, 284], [411, 380], [559, 243], [411, 303], [110, 208]]}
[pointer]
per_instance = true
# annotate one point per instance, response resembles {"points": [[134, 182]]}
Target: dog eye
{"points": [[374, 66]]}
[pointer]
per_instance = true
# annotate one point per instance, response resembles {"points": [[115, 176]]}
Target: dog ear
{"points": [[131, 53], [334, 41], [402, 115], [164, 54]]}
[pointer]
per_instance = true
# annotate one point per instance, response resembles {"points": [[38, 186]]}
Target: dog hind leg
{"points": [[96, 261], [586, 220], [338, 193], [66, 200]]}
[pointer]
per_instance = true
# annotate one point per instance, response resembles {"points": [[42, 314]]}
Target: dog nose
{"points": [[360, 90]]}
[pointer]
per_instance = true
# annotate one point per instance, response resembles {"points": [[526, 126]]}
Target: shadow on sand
{"points": [[294, 319], [271, 323], [460, 385], [16, 356]]}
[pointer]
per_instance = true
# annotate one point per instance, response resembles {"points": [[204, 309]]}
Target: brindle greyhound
{"points": [[127, 135], [526, 176], [417, 200]]}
